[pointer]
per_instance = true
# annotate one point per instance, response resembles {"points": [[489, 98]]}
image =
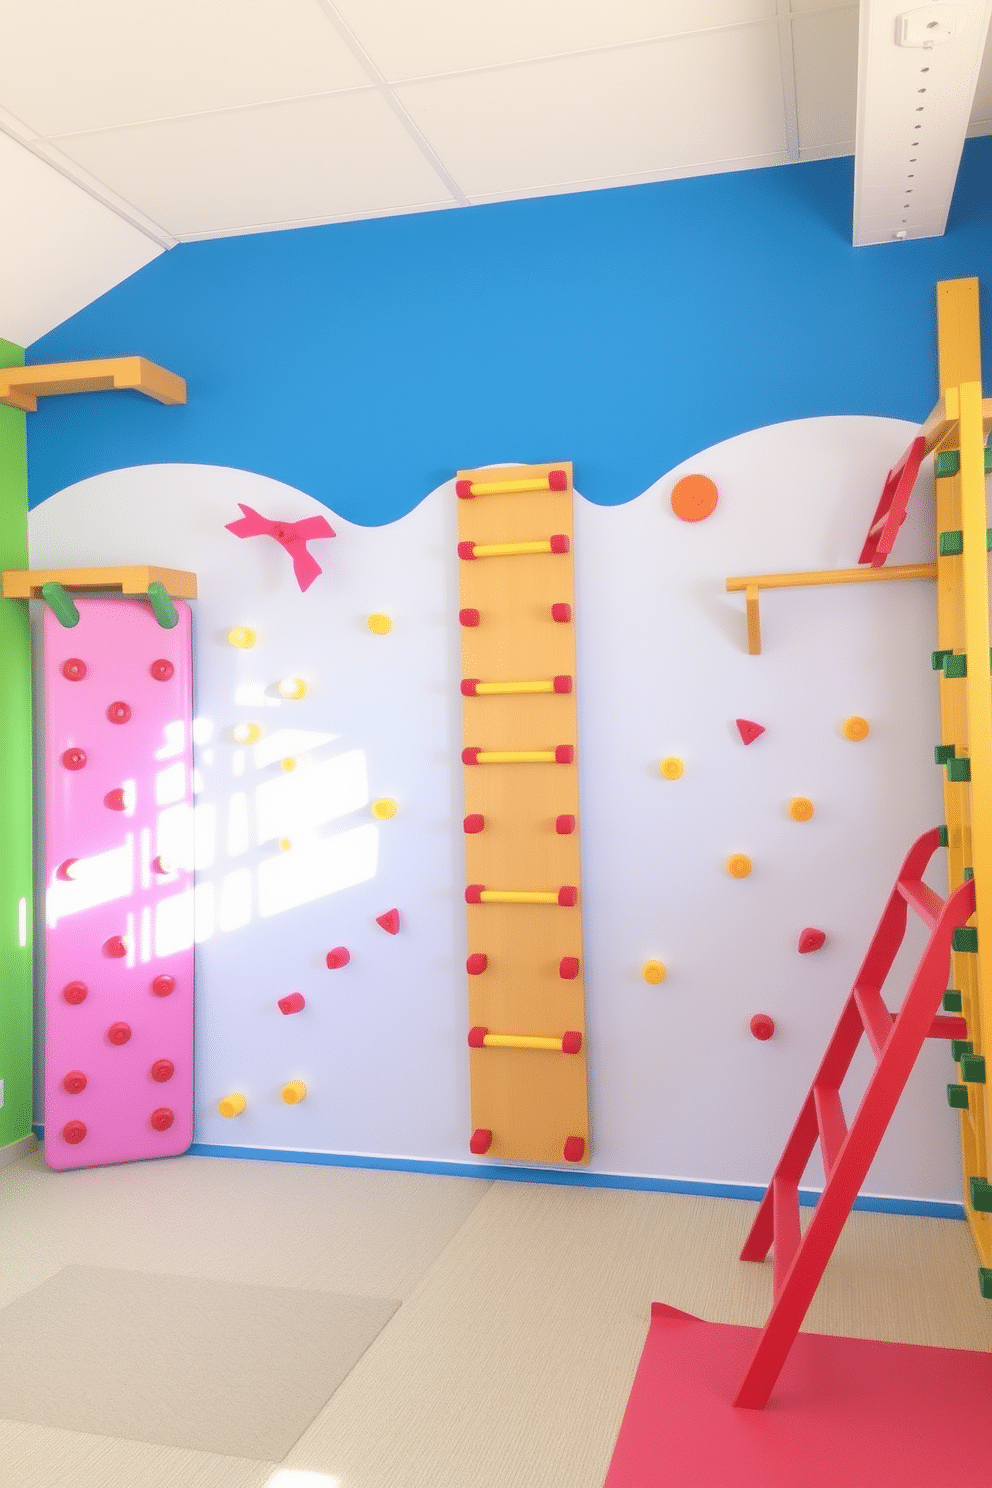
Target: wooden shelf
{"points": [[26, 583], [21, 387]]}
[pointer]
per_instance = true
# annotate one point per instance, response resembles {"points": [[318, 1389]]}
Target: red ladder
{"points": [[847, 1152], [890, 512]]}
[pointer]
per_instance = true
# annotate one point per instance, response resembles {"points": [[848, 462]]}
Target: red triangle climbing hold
{"points": [[749, 731], [389, 921], [810, 940]]}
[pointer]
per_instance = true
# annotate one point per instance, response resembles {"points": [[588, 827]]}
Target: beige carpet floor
{"points": [[523, 1312], [216, 1366]]}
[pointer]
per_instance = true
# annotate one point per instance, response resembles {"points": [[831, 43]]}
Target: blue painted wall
{"points": [[623, 329]]}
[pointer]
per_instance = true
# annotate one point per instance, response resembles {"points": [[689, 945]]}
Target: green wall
{"points": [[16, 907]]}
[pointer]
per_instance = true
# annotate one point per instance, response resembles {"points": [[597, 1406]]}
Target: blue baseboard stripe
{"points": [[929, 1208]]}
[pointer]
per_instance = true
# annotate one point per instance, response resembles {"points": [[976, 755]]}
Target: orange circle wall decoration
{"points": [[694, 497]]}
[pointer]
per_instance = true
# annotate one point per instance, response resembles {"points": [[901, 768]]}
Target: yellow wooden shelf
{"points": [[21, 387], [752, 585], [26, 583]]}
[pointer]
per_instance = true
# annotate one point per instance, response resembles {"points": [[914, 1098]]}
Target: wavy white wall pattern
{"points": [[678, 1086]]}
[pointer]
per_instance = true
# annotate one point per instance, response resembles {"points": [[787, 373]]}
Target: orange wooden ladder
{"points": [[847, 1151]]}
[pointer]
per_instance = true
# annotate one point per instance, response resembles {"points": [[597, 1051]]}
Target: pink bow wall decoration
{"points": [[293, 536]]}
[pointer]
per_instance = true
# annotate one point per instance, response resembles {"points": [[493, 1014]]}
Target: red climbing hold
{"points": [[565, 825], [162, 1119], [162, 1070], [477, 1037], [75, 993], [810, 940], [482, 1140], [390, 921], [749, 731], [294, 1002], [114, 947], [74, 759], [574, 1149], [762, 1026], [571, 1042], [568, 968], [561, 614], [73, 1132], [74, 1082], [468, 617], [119, 712], [476, 963], [119, 1033], [114, 800], [163, 985], [161, 670], [474, 823], [340, 955], [74, 670]]}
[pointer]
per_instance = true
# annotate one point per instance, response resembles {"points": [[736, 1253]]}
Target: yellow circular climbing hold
{"points": [[292, 687], [739, 865], [247, 733], [856, 728], [801, 808], [288, 763], [379, 624], [654, 972], [384, 808], [284, 844], [242, 636], [671, 767], [232, 1105], [294, 1092]]}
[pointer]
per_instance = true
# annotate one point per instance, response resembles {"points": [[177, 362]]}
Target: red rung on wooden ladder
{"points": [[890, 512], [847, 1151]]}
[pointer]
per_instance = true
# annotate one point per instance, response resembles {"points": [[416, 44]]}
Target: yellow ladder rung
{"points": [[555, 480], [472, 687], [558, 543], [480, 1038], [563, 754], [479, 894]]}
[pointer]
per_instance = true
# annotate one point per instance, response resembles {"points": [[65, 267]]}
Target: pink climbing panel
{"points": [[119, 903]]}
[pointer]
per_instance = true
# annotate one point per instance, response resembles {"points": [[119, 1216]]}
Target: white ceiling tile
{"points": [[67, 248], [315, 159], [635, 112], [825, 48], [422, 38], [68, 65]]}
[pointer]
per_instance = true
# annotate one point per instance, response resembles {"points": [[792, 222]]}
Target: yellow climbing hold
{"points": [[380, 624], [247, 733], [294, 1092], [292, 687], [856, 728], [232, 1105], [654, 972], [801, 808], [384, 808], [671, 767], [284, 844], [242, 636], [288, 763], [739, 865]]}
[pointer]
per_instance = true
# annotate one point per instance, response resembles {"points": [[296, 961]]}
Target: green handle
{"points": [[165, 611], [61, 604]]}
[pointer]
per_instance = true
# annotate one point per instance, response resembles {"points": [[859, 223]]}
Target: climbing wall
{"points": [[523, 900], [965, 750], [119, 937]]}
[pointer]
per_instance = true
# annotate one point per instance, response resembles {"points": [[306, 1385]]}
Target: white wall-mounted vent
{"points": [[917, 74]]}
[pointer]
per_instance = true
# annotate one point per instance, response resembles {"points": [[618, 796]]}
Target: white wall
{"points": [[60, 247], [679, 1088]]}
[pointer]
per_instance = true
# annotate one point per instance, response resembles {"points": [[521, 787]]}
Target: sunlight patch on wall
{"points": [[317, 870]]}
